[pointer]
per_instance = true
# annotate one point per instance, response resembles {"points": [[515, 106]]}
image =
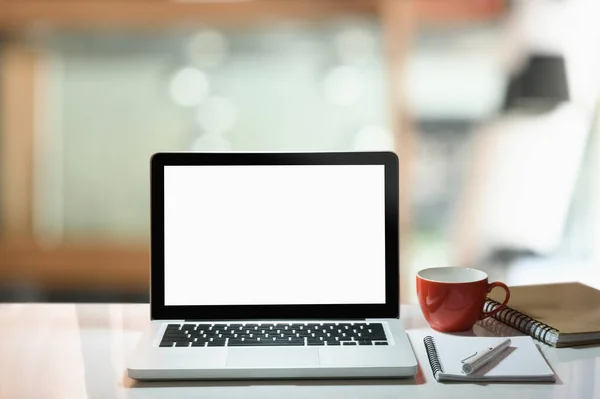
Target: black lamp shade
{"points": [[540, 84]]}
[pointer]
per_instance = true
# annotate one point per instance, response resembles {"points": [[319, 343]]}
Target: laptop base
{"points": [[151, 362]]}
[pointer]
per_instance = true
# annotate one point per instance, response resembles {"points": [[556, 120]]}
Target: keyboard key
{"points": [[182, 343], [174, 338], [266, 343], [280, 343], [216, 342], [199, 343], [363, 342], [348, 342], [175, 333], [166, 344], [376, 328], [243, 343], [374, 332], [188, 327], [219, 326], [373, 337], [380, 343], [203, 327]]}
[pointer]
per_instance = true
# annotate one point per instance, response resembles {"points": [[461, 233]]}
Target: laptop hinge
{"points": [[285, 319]]}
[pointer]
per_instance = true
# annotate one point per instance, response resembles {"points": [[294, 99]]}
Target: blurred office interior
{"points": [[491, 106]]}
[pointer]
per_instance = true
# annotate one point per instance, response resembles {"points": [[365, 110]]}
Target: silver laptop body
{"points": [[274, 265]]}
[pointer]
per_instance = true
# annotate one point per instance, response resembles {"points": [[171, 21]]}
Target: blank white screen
{"points": [[283, 234]]}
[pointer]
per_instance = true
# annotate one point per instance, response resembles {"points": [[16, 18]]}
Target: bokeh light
{"points": [[189, 87]]}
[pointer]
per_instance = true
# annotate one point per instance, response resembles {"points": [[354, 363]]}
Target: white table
{"points": [[79, 351]]}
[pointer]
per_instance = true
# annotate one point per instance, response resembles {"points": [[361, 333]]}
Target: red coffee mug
{"points": [[452, 298]]}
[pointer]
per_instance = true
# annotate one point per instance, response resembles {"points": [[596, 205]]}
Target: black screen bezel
{"points": [[390, 309]]}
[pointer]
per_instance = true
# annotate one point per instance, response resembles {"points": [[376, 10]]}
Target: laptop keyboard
{"points": [[273, 334]]}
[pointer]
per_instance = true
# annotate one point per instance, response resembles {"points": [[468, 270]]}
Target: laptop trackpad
{"points": [[272, 357]]}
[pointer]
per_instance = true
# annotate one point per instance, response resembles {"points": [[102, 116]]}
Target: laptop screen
{"points": [[274, 234]]}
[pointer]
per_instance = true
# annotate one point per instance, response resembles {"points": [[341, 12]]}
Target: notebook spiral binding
{"points": [[432, 354], [538, 330]]}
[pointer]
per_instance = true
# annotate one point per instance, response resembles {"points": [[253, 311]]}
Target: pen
{"points": [[474, 362]]}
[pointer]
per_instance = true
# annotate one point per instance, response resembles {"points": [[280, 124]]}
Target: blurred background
{"points": [[491, 105]]}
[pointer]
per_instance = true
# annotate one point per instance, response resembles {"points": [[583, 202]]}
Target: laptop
{"points": [[274, 265]]}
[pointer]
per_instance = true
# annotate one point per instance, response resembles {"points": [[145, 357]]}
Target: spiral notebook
{"points": [[521, 362], [560, 315]]}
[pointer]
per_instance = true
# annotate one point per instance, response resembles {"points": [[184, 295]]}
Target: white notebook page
{"points": [[522, 361]]}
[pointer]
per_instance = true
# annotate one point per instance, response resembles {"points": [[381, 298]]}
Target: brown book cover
{"points": [[562, 314]]}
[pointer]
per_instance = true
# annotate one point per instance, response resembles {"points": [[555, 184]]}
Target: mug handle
{"points": [[491, 286]]}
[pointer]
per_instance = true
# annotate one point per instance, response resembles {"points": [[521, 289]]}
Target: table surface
{"points": [[80, 350]]}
